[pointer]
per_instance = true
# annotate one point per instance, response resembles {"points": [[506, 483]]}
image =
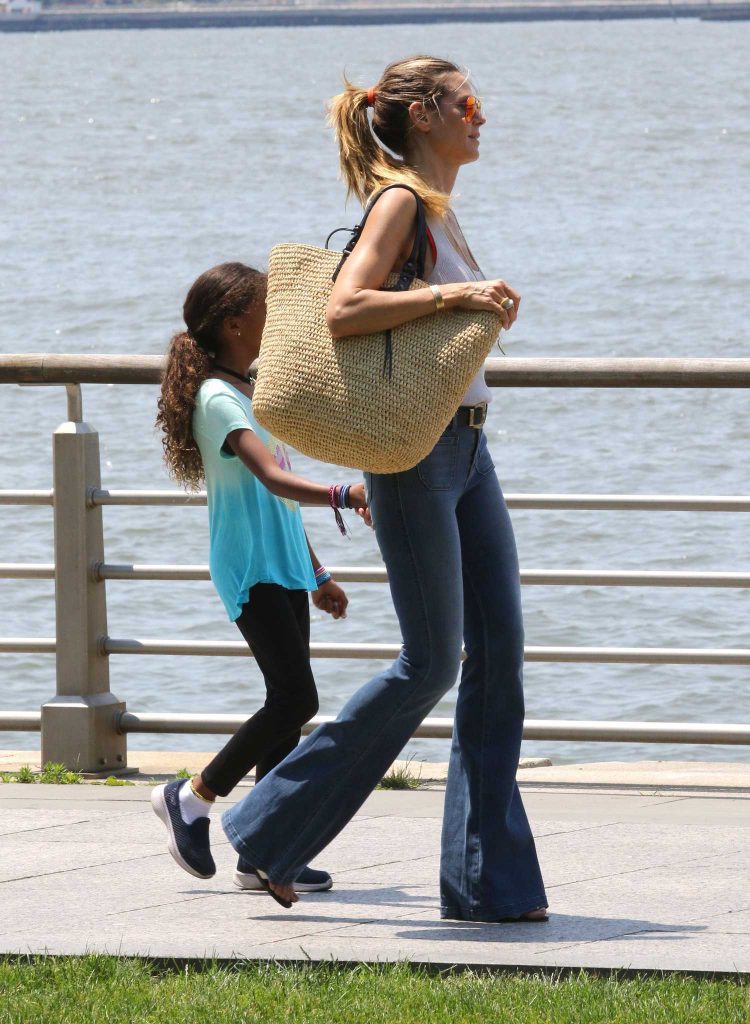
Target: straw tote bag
{"points": [[376, 402]]}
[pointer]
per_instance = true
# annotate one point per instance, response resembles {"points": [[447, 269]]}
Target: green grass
{"points": [[183, 773], [58, 775], [94, 990], [401, 778], [51, 774]]}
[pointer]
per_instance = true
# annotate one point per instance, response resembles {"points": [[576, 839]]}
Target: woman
{"points": [[444, 533]]}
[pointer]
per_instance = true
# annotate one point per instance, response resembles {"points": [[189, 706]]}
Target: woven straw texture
{"points": [[329, 398]]}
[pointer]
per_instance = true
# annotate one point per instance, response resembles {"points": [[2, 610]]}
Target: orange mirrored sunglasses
{"points": [[473, 106]]}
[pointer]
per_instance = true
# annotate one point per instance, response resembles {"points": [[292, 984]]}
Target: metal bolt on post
{"points": [[79, 723]]}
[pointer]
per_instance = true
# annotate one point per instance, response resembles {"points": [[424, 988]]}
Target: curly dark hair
{"points": [[223, 291]]}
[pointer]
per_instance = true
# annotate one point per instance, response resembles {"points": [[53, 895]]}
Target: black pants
{"points": [[275, 622]]}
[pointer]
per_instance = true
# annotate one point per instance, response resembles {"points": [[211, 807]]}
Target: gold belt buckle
{"points": [[473, 410]]}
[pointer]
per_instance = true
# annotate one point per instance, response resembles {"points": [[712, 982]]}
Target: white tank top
{"points": [[450, 266]]}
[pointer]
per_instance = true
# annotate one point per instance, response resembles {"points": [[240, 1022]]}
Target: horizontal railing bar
{"points": [[529, 577], [618, 373], [573, 502], [221, 724], [24, 571], [442, 728], [20, 721], [27, 645], [640, 655], [632, 578], [430, 728], [238, 649], [56, 368], [636, 732], [108, 571], [171, 497], [27, 497], [593, 655], [631, 502]]}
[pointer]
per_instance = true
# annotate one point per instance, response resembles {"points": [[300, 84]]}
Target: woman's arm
{"points": [[358, 306]]}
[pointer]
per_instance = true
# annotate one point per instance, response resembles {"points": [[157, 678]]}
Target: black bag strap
{"points": [[414, 266]]}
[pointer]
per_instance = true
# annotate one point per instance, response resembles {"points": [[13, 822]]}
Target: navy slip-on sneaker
{"points": [[188, 844], [308, 880]]}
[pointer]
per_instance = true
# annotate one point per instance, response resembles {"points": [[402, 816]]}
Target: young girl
{"points": [[443, 530], [260, 560]]}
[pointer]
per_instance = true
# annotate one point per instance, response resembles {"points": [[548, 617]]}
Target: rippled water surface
{"points": [[612, 191]]}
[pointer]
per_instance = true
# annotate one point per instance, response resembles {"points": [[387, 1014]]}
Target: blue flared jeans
{"points": [[446, 539]]}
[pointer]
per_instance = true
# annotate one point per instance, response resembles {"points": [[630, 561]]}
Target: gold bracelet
{"points": [[438, 297]]}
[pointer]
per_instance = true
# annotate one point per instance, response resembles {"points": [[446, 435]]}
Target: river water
{"points": [[612, 192]]}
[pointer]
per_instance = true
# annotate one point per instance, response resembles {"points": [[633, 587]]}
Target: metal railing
{"points": [[85, 726]]}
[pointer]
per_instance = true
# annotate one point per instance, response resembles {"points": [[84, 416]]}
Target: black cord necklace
{"points": [[233, 373]]}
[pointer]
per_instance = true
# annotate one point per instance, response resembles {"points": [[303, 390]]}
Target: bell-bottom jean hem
{"points": [[496, 915], [241, 847]]}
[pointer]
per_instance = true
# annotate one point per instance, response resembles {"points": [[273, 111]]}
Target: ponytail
{"points": [[187, 367], [366, 165]]}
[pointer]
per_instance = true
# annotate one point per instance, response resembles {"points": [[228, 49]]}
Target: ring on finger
{"points": [[507, 303]]}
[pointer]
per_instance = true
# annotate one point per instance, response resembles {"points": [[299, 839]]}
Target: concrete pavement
{"points": [[636, 879]]}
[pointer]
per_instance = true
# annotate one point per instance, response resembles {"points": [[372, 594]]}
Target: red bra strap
{"points": [[433, 247]]}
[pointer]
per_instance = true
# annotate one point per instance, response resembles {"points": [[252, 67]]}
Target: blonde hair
{"points": [[365, 164]]}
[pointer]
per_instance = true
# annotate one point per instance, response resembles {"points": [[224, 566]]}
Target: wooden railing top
{"points": [[53, 368]]}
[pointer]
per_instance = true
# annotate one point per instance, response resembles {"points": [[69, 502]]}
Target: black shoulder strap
{"points": [[414, 266]]}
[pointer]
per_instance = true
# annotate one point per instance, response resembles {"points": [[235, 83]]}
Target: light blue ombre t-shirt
{"points": [[254, 537]]}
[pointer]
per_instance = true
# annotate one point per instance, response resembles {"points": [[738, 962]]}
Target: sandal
{"points": [[265, 883], [525, 919]]}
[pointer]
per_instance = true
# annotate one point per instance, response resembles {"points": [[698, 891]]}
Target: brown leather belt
{"points": [[471, 416]]}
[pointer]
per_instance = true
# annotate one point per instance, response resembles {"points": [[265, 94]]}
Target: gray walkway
{"points": [[636, 879]]}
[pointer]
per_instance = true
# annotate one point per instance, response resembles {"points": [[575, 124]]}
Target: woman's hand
{"points": [[358, 501], [485, 295], [330, 598]]}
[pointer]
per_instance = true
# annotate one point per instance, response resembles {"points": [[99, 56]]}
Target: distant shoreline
{"points": [[238, 17]]}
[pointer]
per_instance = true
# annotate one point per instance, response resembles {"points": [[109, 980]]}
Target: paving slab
{"points": [[635, 880], [657, 775]]}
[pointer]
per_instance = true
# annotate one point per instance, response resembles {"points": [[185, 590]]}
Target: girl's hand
{"points": [[484, 295], [358, 501], [330, 598]]}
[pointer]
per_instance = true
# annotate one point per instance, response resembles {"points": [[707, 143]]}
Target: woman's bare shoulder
{"points": [[390, 225], [397, 205]]}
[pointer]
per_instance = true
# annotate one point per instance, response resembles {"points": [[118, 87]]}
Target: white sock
{"points": [[192, 806]]}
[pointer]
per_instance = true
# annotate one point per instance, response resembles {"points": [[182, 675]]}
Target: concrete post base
{"points": [[79, 732]]}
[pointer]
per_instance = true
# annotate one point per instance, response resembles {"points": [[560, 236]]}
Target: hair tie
{"points": [[371, 96]]}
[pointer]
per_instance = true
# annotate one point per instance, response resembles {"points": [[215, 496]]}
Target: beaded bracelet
{"points": [[334, 500], [322, 575], [338, 495]]}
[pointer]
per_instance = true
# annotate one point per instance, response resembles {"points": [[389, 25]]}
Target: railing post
{"points": [[79, 723]]}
